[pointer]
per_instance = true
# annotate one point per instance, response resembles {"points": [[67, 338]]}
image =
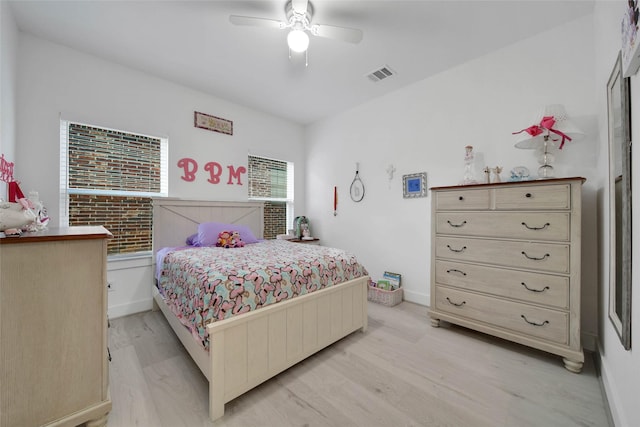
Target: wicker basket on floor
{"points": [[380, 296]]}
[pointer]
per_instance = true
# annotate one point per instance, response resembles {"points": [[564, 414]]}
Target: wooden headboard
{"points": [[176, 219]]}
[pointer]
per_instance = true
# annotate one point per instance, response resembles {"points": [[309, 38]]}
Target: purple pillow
{"points": [[192, 240], [208, 233]]}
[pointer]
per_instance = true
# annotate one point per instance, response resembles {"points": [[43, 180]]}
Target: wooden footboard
{"points": [[249, 349]]}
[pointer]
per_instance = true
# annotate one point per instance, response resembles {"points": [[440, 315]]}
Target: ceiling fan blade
{"points": [[256, 22], [299, 6], [350, 35]]}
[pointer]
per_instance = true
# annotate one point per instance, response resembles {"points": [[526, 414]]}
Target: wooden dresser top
{"points": [[505, 183], [62, 233]]}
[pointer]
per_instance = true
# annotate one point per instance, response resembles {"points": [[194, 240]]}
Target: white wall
{"points": [[425, 127], [54, 80], [8, 46], [620, 369]]}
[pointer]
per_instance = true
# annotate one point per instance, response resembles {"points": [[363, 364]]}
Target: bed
{"points": [[244, 350]]}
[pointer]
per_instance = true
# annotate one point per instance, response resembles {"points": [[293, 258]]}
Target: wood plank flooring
{"points": [[401, 372]]}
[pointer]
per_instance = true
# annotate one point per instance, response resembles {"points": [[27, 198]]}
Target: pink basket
{"points": [[380, 296]]}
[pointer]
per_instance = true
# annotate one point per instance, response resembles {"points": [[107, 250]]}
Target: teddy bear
{"points": [[229, 239]]}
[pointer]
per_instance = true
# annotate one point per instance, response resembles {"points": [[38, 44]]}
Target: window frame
{"points": [[65, 191], [289, 200]]}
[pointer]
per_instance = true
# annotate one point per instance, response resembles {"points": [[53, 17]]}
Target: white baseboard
{"points": [[416, 297], [589, 341], [610, 394], [134, 307]]}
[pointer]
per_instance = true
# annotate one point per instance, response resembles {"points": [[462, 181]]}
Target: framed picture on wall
{"points": [[414, 185], [213, 123]]}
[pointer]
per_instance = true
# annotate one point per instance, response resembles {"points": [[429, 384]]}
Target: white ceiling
{"points": [[194, 44]]}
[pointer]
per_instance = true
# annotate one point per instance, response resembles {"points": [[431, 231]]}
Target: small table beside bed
{"points": [[245, 314]]}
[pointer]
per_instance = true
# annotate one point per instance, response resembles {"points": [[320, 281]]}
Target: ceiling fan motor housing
{"points": [[294, 17], [299, 14]]}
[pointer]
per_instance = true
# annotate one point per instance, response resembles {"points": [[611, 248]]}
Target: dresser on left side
{"points": [[54, 368]]}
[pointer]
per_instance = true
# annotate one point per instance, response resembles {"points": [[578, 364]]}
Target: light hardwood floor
{"points": [[401, 372]]}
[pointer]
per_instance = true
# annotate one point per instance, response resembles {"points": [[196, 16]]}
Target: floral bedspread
{"points": [[202, 285]]}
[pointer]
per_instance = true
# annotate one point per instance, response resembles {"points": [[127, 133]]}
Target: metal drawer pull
{"points": [[528, 195], [460, 198], [453, 270], [456, 225], [536, 228], [546, 288], [534, 323], [534, 258], [457, 305], [457, 250]]}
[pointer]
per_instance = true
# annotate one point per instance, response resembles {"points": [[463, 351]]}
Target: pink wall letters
{"points": [[190, 168]]}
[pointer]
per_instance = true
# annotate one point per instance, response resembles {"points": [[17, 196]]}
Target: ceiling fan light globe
{"points": [[298, 40]]}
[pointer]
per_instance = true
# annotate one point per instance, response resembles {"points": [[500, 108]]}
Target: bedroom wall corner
{"points": [[425, 127]]}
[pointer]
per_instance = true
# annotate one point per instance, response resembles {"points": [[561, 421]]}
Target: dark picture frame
{"points": [[620, 207]]}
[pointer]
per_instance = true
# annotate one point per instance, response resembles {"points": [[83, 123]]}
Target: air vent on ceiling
{"points": [[381, 74]]}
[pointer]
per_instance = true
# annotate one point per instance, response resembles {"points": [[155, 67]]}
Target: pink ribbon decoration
{"points": [[547, 123], [534, 130]]}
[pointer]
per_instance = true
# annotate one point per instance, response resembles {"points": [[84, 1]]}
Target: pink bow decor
{"points": [[546, 123]]}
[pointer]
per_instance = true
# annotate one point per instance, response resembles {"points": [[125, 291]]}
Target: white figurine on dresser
{"points": [[506, 262]]}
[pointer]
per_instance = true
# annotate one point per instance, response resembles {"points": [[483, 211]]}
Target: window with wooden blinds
{"points": [[109, 177]]}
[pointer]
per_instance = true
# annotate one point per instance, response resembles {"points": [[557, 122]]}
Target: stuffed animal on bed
{"points": [[229, 239]]}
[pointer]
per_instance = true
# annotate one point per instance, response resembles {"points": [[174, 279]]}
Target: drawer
{"points": [[534, 197], [517, 225], [538, 288], [462, 199], [534, 321], [552, 257]]}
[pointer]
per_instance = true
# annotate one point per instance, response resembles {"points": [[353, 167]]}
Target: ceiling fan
{"points": [[298, 21]]}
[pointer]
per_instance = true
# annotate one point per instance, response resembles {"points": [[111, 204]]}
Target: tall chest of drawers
{"points": [[54, 370], [505, 260]]}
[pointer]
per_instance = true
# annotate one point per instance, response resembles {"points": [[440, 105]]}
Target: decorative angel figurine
{"points": [[496, 174]]}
